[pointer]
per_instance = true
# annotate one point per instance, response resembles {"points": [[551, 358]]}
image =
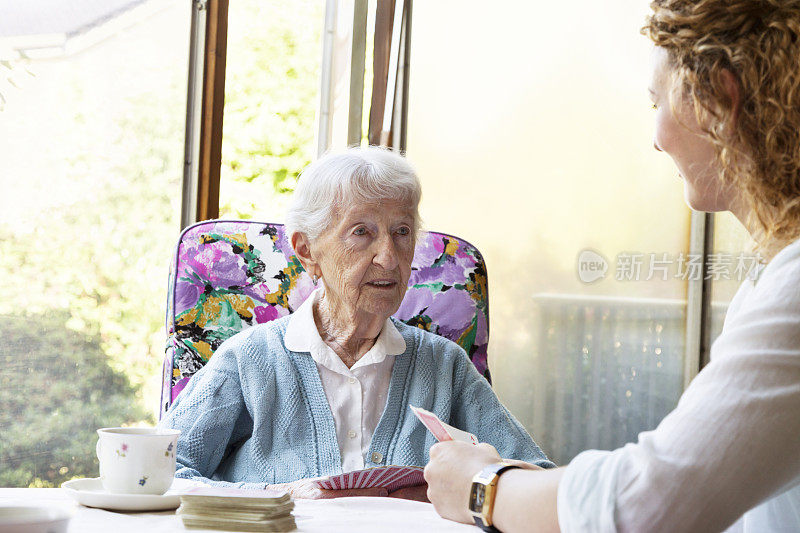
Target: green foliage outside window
{"points": [[85, 258], [271, 96], [56, 389]]}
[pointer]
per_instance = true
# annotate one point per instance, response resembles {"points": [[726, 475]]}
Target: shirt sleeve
{"points": [[477, 409], [732, 442], [211, 416]]}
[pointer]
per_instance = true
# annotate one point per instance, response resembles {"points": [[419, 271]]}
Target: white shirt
{"points": [[728, 456], [356, 395]]}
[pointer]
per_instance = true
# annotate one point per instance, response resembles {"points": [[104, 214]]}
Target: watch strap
{"points": [[497, 468], [479, 522], [494, 470]]}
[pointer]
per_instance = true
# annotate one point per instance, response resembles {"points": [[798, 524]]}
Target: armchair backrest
{"points": [[228, 275]]}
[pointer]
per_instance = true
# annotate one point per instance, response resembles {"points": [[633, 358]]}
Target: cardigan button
{"points": [[377, 457]]}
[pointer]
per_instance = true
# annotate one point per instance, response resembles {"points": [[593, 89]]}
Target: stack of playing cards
{"points": [[236, 509]]}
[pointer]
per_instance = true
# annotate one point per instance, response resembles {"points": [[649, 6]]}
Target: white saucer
{"points": [[90, 492]]}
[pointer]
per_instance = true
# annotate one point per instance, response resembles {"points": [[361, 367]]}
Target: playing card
{"points": [[239, 509], [361, 478], [230, 496], [374, 478], [442, 432], [377, 481], [392, 477], [399, 475], [411, 478]]}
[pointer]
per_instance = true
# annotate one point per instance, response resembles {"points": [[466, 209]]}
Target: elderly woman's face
{"points": [[365, 257]]}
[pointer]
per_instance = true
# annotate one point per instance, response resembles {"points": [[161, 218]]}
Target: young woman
{"points": [[726, 86]]}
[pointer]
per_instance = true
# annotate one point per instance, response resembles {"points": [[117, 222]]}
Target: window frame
{"points": [[205, 104], [204, 122]]}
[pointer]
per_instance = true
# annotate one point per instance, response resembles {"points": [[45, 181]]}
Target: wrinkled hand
{"points": [[308, 490], [449, 475], [418, 493]]}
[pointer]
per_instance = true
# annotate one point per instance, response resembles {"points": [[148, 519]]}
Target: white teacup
{"points": [[137, 460]]}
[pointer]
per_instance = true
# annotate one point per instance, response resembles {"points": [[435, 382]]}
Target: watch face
{"points": [[477, 497]]}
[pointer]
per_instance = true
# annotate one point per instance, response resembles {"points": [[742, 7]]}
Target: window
{"points": [[92, 151], [534, 142], [734, 253], [271, 99], [529, 126]]}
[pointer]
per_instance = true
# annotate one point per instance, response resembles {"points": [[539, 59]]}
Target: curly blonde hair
{"points": [[759, 42]]}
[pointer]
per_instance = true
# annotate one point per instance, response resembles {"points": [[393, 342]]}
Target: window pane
{"points": [[271, 97], [92, 153], [734, 253], [532, 135]]}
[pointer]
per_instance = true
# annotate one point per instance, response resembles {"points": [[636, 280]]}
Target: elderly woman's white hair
{"points": [[362, 175]]}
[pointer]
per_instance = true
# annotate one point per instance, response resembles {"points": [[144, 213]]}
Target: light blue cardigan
{"points": [[256, 414]]}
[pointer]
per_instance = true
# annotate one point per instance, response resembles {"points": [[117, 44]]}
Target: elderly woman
{"points": [[326, 390], [726, 89]]}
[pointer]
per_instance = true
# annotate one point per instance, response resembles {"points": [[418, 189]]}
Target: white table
{"points": [[329, 516]]}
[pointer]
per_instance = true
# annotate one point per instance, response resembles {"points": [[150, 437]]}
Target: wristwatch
{"points": [[481, 497]]}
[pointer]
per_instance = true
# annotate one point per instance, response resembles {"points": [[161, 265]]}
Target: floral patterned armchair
{"points": [[229, 275]]}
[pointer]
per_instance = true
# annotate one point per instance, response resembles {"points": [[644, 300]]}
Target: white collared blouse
{"points": [[356, 395]]}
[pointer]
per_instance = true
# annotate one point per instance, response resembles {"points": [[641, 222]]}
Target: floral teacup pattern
{"points": [[137, 460]]}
